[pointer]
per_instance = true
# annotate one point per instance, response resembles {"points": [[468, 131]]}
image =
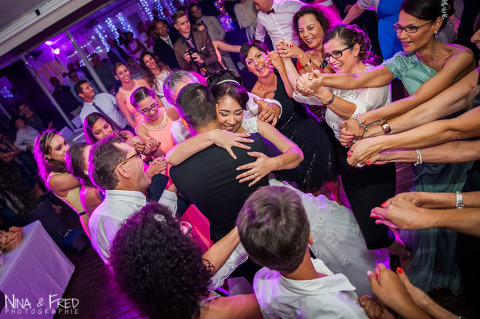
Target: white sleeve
{"points": [[367, 4], [252, 107], [169, 199], [310, 100], [260, 31], [372, 98], [236, 258], [19, 141]]}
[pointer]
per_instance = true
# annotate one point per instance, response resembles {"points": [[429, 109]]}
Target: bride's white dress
{"points": [[337, 239]]}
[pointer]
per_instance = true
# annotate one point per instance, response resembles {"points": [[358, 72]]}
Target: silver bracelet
{"points": [[419, 157], [459, 200], [359, 122]]}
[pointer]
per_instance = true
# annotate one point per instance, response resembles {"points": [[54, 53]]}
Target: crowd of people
{"points": [[183, 133]]}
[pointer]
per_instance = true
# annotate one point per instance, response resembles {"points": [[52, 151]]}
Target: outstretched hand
{"points": [[364, 152], [310, 83], [256, 170], [400, 213], [275, 60], [288, 49]]}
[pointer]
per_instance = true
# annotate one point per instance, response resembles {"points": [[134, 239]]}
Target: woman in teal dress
{"points": [[426, 67]]}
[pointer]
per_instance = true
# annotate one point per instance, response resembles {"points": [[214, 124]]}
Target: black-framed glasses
{"points": [[409, 28], [337, 53], [151, 108], [137, 154]]}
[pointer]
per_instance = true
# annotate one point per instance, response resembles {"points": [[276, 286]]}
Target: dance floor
{"points": [[92, 285]]}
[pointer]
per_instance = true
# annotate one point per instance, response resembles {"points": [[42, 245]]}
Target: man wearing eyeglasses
{"points": [[118, 170]]}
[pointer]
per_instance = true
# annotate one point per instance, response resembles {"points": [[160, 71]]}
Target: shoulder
{"points": [[457, 52], [142, 82], [263, 275], [172, 113]]}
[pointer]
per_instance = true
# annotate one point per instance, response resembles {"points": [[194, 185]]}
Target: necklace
{"points": [[159, 126], [434, 62]]}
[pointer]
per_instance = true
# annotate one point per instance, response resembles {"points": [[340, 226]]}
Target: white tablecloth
{"points": [[34, 277]]}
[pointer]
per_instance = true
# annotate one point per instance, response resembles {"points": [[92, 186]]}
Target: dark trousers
{"points": [[366, 188]]}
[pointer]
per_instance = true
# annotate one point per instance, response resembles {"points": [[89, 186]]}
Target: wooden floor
{"points": [[99, 299]]}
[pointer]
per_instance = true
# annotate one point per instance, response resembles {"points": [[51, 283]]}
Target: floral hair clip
{"points": [[159, 218], [444, 5]]}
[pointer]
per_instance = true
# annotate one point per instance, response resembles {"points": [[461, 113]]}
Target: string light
{"points": [[125, 25]]}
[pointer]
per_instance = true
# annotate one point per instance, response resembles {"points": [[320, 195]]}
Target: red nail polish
{"points": [[367, 162], [384, 204], [399, 270]]}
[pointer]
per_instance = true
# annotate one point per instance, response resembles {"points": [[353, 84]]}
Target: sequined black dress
{"points": [[312, 136]]}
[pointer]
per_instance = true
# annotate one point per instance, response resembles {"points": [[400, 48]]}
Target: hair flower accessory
{"points": [[444, 5]]}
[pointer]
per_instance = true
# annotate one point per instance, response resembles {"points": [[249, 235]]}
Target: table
{"points": [[34, 277]]}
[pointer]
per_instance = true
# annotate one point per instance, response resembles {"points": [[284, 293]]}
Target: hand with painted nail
{"points": [[401, 213], [262, 166], [365, 150], [390, 290]]}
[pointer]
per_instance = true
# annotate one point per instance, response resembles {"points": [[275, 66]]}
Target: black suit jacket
{"points": [[208, 180], [114, 58], [165, 52]]}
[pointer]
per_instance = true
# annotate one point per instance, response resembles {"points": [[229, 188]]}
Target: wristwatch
{"points": [[459, 202]]}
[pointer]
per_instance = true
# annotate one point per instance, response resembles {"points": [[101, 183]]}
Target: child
{"points": [[275, 231]]}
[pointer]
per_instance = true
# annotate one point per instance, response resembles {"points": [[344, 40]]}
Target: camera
{"points": [[191, 51]]}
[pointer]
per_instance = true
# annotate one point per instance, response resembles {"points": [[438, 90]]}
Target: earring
{"points": [[435, 32]]}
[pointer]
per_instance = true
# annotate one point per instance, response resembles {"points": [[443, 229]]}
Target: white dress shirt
{"points": [[25, 137], [108, 104], [332, 296], [278, 25], [109, 216]]}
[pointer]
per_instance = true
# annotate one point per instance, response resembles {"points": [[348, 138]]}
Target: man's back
{"points": [[208, 179]]}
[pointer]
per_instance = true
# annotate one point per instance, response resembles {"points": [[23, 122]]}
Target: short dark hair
{"points": [[233, 90], [103, 158], [274, 228], [177, 15], [196, 105], [78, 86], [88, 123], [428, 9], [75, 163], [316, 12], [247, 46], [157, 266], [140, 94]]}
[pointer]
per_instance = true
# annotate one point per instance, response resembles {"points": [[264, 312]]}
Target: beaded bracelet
{"points": [[359, 122], [330, 101]]}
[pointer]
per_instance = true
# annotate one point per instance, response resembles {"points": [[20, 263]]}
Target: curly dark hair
{"points": [[148, 73], [351, 34], [157, 266], [314, 10], [42, 147], [274, 228]]}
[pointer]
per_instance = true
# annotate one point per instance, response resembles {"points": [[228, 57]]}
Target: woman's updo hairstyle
{"points": [[351, 35], [316, 12], [233, 90], [141, 94], [429, 10]]}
